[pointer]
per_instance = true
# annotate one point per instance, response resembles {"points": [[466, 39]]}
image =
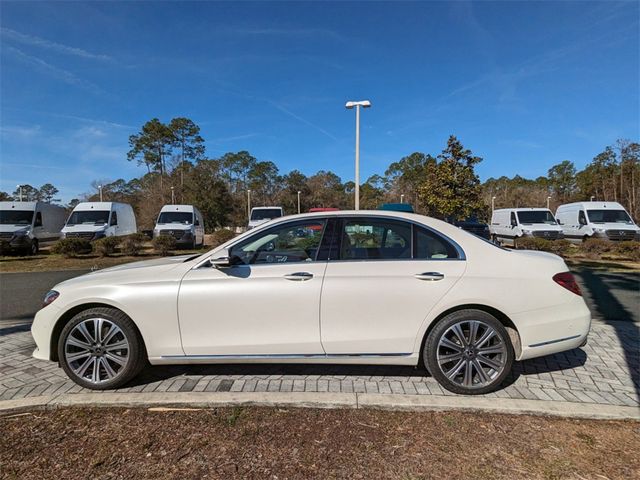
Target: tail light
{"points": [[568, 281]]}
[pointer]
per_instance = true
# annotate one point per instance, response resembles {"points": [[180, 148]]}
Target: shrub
{"points": [[595, 247], [628, 250], [558, 247], [106, 246], [221, 236], [132, 244], [164, 244], [72, 247]]}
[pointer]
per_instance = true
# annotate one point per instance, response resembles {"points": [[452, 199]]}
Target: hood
{"points": [[615, 226], [156, 262], [540, 227], [14, 228], [85, 227], [172, 226]]}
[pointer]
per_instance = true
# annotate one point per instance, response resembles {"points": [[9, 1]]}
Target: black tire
{"points": [[34, 247], [135, 361], [435, 367]]}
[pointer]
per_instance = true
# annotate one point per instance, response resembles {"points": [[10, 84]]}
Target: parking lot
{"points": [[605, 371]]}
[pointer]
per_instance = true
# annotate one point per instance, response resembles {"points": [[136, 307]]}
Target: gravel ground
{"points": [[311, 443]]}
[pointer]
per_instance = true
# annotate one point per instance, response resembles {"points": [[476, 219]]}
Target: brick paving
{"points": [[605, 371]]}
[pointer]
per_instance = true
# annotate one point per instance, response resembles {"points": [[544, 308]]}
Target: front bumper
{"points": [[20, 242], [42, 330]]}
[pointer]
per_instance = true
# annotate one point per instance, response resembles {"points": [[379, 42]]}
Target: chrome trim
{"points": [[287, 355], [542, 344]]}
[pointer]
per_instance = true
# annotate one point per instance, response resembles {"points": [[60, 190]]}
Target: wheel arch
{"points": [[514, 335], [72, 312]]}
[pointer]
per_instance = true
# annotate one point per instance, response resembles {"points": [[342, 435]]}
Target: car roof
{"points": [[178, 208]]}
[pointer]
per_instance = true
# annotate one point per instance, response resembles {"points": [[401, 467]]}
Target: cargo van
{"points": [[260, 215], [95, 220], [27, 226], [606, 220], [510, 224], [182, 222]]}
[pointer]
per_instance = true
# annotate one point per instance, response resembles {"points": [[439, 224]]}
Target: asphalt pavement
{"points": [[611, 295]]}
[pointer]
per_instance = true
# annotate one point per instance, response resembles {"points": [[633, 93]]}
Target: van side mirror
{"points": [[197, 223]]}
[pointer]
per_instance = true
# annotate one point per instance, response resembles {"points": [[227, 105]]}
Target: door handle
{"points": [[430, 276], [299, 276]]}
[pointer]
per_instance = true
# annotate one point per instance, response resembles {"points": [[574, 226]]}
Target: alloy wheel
{"points": [[96, 350], [471, 354]]}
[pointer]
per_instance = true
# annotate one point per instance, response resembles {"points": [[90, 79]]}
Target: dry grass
{"points": [[309, 443]]}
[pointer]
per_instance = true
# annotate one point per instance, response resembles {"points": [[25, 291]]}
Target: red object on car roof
{"points": [[323, 209]]}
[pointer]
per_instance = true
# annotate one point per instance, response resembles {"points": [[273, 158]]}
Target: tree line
{"points": [[444, 186]]}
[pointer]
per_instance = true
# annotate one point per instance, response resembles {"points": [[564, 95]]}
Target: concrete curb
{"points": [[324, 400]]}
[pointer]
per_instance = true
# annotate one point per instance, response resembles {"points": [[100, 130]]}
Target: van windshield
{"points": [[176, 217], [536, 216], [266, 214], [16, 217], [609, 216], [92, 217]]}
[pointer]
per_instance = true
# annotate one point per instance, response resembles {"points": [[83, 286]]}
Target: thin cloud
{"points": [[53, 71], [49, 45], [284, 32], [303, 120]]}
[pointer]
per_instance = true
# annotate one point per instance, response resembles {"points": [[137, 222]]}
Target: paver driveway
{"points": [[605, 371]]}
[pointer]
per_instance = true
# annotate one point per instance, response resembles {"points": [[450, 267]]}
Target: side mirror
{"points": [[220, 262]]}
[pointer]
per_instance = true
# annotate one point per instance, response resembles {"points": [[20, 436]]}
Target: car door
{"points": [[387, 276], [266, 303]]}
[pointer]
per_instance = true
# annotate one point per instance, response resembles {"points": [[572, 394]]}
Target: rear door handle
{"points": [[299, 276], [430, 276]]}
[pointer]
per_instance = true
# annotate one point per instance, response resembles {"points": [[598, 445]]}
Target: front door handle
{"points": [[299, 276], [430, 276]]}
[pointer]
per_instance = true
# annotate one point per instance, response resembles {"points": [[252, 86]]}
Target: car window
{"points": [[431, 246], [38, 220], [373, 239], [114, 218], [289, 243], [582, 219]]}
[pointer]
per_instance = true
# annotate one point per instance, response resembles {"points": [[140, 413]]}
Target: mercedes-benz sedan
{"points": [[342, 287]]}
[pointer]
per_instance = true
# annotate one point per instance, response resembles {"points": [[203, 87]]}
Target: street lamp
{"points": [[402, 198], [173, 198], [249, 204], [591, 199], [299, 202], [100, 190], [548, 198], [357, 105], [19, 188], [493, 204]]}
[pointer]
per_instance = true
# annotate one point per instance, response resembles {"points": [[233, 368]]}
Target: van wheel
{"points": [[34, 248], [100, 349], [585, 238], [469, 352]]}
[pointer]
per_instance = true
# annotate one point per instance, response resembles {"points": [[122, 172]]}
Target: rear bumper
{"points": [[553, 329]]}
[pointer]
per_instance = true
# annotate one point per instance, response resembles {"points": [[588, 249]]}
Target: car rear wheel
{"points": [[100, 349], [469, 352]]}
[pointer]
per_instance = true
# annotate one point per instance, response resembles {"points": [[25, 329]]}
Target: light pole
{"points": [[402, 198], [493, 204], [100, 190], [591, 199], [299, 202], [19, 188], [173, 198], [548, 198], [357, 105], [249, 204]]}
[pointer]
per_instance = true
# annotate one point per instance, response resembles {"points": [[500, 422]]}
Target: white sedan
{"points": [[365, 287]]}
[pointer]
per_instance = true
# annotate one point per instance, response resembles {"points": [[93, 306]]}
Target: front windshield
{"points": [[536, 216], [185, 218], [16, 217], [90, 217], [266, 214], [609, 216]]}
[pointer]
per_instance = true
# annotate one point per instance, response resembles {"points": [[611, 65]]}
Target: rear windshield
{"points": [[609, 216], [91, 217], [266, 214], [16, 217], [540, 216], [185, 218]]}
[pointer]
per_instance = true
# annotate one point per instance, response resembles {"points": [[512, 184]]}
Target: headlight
{"points": [[599, 230], [98, 235], [22, 233], [527, 232], [50, 297]]}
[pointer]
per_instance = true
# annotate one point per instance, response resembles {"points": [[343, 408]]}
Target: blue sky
{"points": [[524, 85]]}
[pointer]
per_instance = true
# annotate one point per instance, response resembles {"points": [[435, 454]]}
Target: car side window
{"points": [[114, 218], [428, 245], [514, 222], [373, 239], [38, 220], [582, 219], [290, 243]]}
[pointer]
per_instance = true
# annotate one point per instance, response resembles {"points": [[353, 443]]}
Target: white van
{"points": [[183, 222], [607, 220], [260, 215], [27, 226], [94, 220], [509, 224]]}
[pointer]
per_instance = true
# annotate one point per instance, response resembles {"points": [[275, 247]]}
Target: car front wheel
{"points": [[469, 352], [100, 349]]}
